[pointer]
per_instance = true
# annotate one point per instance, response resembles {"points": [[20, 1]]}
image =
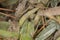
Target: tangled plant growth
{"points": [[29, 19]]}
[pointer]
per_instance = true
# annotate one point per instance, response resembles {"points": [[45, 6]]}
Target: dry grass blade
{"points": [[37, 19], [23, 18], [20, 8], [7, 9], [2, 1], [8, 15], [37, 32], [51, 12], [44, 1], [43, 22]]}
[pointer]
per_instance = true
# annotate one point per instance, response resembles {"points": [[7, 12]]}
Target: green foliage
{"points": [[4, 25], [30, 19], [23, 18], [45, 33], [26, 31], [8, 34], [4, 30], [9, 2]]}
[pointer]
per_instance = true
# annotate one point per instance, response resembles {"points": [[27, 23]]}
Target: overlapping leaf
{"points": [[23, 18], [26, 31], [47, 31]]}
